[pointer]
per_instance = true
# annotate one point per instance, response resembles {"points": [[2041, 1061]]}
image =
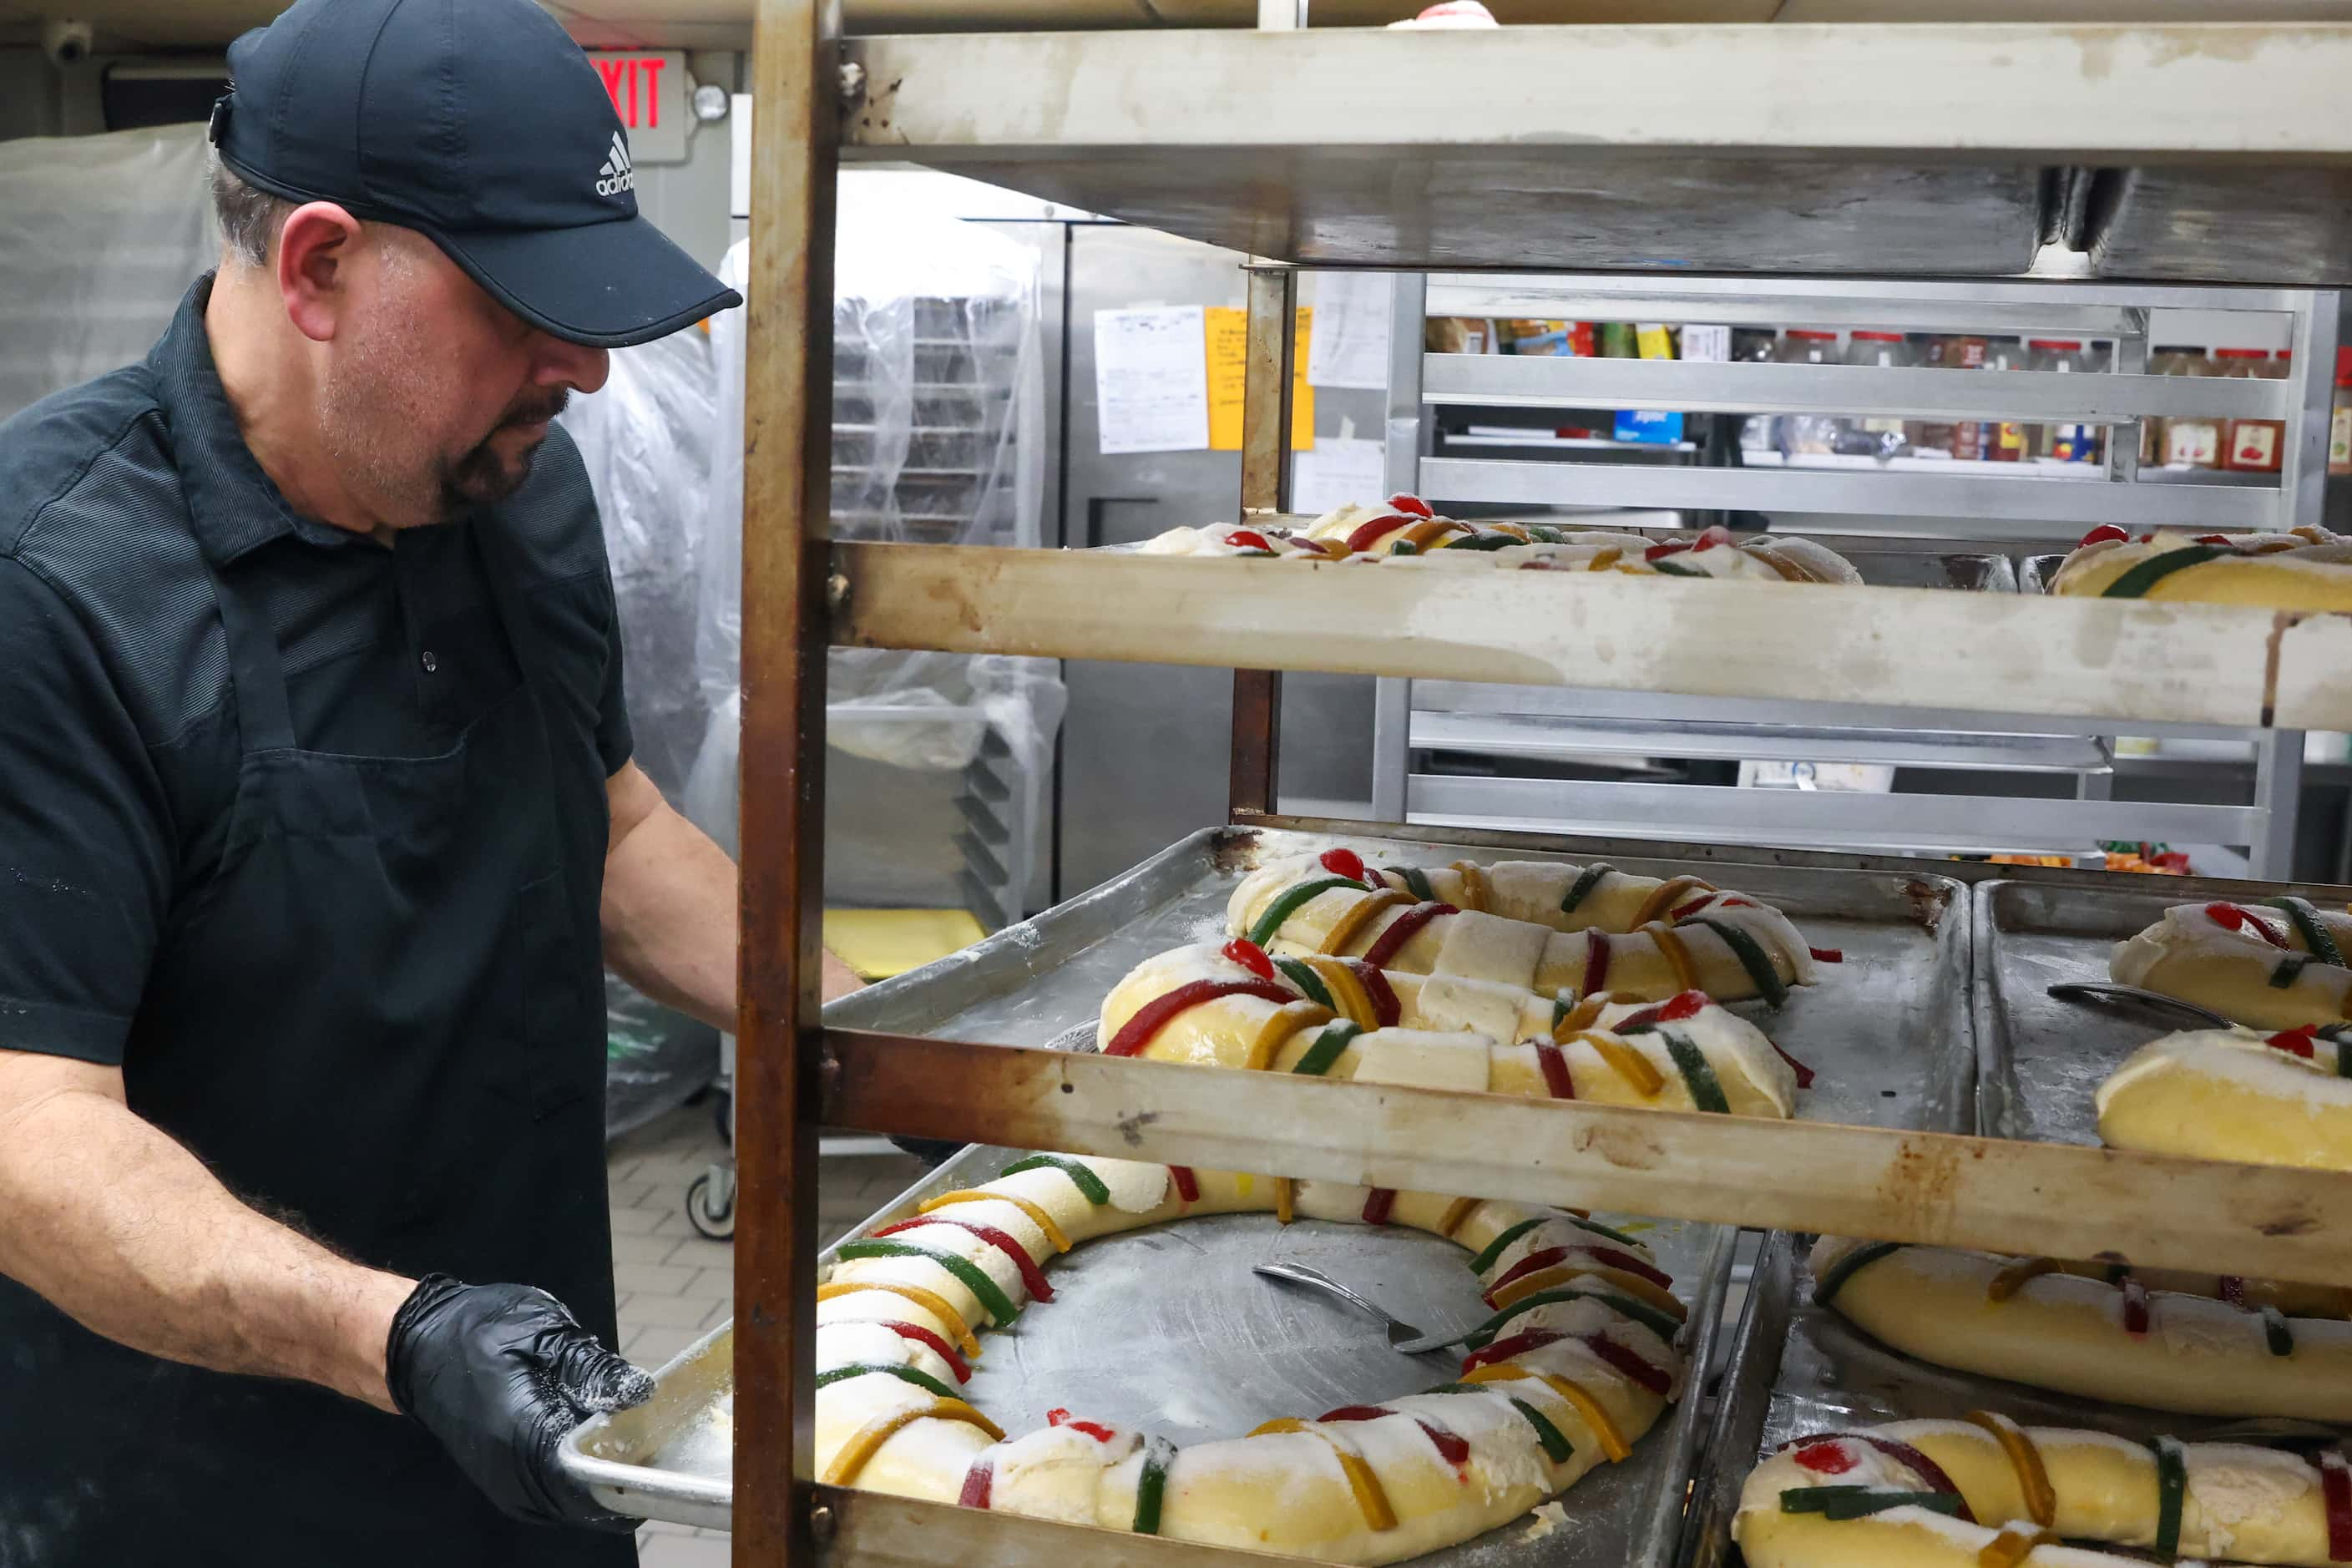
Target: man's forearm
{"points": [[126, 1232], [670, 920]]}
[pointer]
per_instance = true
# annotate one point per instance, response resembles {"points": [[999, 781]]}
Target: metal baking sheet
{"points": [[1797, 1369], [1887, 1031], [1212, 1359]]}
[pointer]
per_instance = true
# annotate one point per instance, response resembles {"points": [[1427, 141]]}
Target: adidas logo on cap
{"points": [[619, 174]]}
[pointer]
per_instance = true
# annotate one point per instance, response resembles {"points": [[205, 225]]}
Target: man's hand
{"points": [[500, 1374]]}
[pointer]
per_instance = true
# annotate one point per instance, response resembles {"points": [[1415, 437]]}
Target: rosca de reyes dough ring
{"points": [[1986, 1492], [1577, 1362], [1340, 1018], [1534, 925], [1405, 533], [2234, 1094], [2309, 569], [2105, 1335], [2275, 964]]}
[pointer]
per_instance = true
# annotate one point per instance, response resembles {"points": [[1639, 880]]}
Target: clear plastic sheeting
{"points": [[938, 438], [103, 235], [646, 441]]}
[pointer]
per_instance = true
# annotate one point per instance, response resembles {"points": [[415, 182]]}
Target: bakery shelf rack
{"points": [[2187, 154], [1858, 499]]}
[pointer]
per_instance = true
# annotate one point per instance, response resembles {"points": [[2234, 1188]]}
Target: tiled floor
{"points": [[674, 1285]]}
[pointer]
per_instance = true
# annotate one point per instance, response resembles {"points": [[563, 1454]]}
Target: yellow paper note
{"points": [[1228, 330]]}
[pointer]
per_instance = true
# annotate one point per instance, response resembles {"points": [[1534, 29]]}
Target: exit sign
{"points": [[649, 91]]}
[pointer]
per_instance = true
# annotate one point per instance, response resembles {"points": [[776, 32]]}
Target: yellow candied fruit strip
{"points": [[1476, 896], [1371, 1497], [1657, 1295], [1355, 1003], [2014, 1276], [1595, 1415], [1666, 896], [1578, 1018], [870, 1438], [1285, 1021], [1345, 929], [2032, 1476], [1456, 1213], [1636, 1068], [1419, 535], [2013, 1545], [1677, 955], [929, 1301], [1054, 1237], [1285, 1198], [1515, 531], [1604, 558]]}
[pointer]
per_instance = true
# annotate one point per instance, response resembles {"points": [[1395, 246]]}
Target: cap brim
{"points": [[602, 285]]}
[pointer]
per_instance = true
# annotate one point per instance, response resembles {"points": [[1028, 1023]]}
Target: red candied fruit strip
{"points": [[1365, 536], [2335, 1491], [2296, 1042], [938, 1346], [1249, 539], [1378, 1204], [1156, 1014], [1607, 1256], [1596, 963], [1250, 956], [2107, 532], [1827, 954], [1403, 930], [1673, 1010], [1386, 1008], [1660, 552], [2135, 1308], [979, 1483], [1684, 911], [1188, 1185], [1657, 1380], [1451, 1447], [1345, 863], [1033, 1279], [1927, 1470], [1805, 1074], [1412, 503], [1558, 1083], [2212, 539], [1504, 1349], [1711, 536], [2233, 1290], [2230, 917]]}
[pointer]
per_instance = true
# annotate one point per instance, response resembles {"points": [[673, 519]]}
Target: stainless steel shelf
{"points": [[1559, 739], [1825, 818]]}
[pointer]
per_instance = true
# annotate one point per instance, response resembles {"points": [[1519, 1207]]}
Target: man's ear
{"points": [[314, 254]]}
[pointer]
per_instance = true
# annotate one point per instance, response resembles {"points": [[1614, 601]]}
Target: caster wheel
{"points": [[710, 1204]]}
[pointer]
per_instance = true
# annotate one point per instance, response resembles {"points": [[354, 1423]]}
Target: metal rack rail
{"points": [[1320, 181]]}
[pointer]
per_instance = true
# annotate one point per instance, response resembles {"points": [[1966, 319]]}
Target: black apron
{"points": [[382, 1015]]}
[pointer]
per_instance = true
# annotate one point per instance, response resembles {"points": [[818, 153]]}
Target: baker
{"points": [[318, 824]]}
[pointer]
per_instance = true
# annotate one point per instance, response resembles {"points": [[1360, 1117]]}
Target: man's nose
{"points": [[570, 364]]}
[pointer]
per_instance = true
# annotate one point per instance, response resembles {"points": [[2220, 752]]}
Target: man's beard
{"points": [[481, 477]]}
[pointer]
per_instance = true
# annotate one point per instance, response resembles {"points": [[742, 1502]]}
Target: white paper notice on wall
{"points": [[1336, 473], [1348, 338], [1710, 343], [1152, 379]]}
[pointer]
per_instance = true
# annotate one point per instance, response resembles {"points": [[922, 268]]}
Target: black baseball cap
{"points": [[480, 124]]}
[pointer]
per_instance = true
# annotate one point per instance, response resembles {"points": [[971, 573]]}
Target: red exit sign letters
{"points": [[648, 89]]}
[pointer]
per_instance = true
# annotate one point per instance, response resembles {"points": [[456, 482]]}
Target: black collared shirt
{"points": [[120, 499]]}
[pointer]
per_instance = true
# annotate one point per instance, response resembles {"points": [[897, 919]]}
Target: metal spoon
{"points": [[2087, 990], [1403, 1336]]}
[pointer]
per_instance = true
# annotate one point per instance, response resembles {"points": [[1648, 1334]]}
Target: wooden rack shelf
{"points": [[1968, 149]]}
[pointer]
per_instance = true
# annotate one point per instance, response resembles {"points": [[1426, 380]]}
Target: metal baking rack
{"points": [[1966, 150]]}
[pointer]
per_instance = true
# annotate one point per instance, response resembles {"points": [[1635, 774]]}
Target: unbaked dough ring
{"points": [[2309, 569], [1587, 1368], [2233, 1094], [2113, 1340], [2220, 1499], [2247, 962], [1522, 923], [1480, 1036]]}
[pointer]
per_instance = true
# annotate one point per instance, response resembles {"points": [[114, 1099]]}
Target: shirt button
{"points": [[430, 662]]}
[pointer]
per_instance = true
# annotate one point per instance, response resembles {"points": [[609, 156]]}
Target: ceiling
{"points": [[726, 24]]}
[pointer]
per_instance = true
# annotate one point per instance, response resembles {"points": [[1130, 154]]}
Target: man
{"points": [[317, 820]]}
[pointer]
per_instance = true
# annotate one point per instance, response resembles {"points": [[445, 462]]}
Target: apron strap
{"points": [[264, 719]]}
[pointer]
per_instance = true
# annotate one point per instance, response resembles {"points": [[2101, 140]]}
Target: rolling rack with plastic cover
{"points": [[1978, 115]]}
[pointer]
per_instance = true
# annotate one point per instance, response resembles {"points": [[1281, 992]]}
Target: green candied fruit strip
{"points": [[1493, 1249], [2136, 583], [1287, 905], [2321, 945], [1306, 980], [2290, 970], [1416, 883], [1649, 1317], [1327, 1048], [993, 1301], [1752, 958], [1151, 1488], [2275, 1330], [1085, 1180], [1668, 569], [2171, 1493], [1583, 887], [1826, 1287], [1705, 1092], [922, 1380]]}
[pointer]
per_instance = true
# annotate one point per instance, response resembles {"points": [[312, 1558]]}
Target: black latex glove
{"points": [[500, 1374]]}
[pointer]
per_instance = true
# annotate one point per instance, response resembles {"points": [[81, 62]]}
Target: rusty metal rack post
{"points": [[803, 594]]}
